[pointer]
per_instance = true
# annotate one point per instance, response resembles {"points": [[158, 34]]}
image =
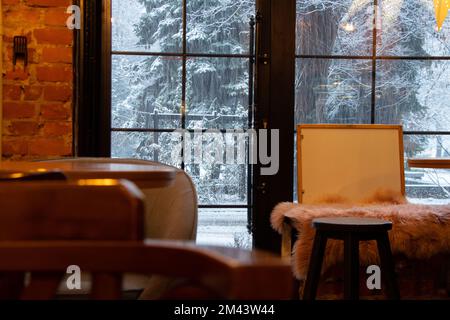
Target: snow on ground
{"points": [[429, 201], [224, 227]]}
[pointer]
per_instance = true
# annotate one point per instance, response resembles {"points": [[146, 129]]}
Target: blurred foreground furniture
{"points": [[358, 171], [223, 272], [45, 176], [94, 210], [143, 175], [171, 210]]}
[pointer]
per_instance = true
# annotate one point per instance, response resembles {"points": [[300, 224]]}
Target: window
{"points": [[379, 61], [185, 65]]}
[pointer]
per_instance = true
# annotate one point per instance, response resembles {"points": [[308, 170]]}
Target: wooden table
{"points": [[144, 176], [434, 163]]}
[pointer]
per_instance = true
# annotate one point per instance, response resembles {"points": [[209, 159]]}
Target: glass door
{"points": [[189, 65], [182, 77]]}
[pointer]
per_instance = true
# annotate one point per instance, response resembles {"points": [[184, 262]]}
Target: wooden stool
{"points": [[351, 231]]}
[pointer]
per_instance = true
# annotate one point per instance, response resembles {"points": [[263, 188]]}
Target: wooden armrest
{"points": [[232, 273]]}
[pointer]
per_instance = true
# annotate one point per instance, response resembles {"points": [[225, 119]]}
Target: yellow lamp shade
{"points": [[441, 7]]}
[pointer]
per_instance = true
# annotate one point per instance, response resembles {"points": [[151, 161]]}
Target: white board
{"points": [[349, 161]]}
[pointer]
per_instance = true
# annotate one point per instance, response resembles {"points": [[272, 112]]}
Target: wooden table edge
{"points": [[429, 163]]}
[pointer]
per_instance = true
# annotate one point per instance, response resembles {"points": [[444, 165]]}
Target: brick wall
{"points": [[37, 100]]}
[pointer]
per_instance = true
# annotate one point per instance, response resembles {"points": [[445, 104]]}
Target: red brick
{"points": [[62, 55], [54, 129], [18, 74], [56, 17], [11, 92], [54, 74], [57, 93], [55, 111], [15, 146], [18, 110], [32, 93], [23, 128], [49, 3], [33, 57], [19, 16], [53, 36], [10, 2], [49, 147], [11, 32], [37, 99]]}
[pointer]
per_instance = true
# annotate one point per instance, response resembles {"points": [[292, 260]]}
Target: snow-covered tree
{"points": [[410, 92], [147, 90]]}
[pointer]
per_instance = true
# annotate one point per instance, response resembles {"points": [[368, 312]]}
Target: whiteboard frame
{"points": [[397, 128]]}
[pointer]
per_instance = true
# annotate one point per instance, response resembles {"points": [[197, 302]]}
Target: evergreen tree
{"points": [[216, 88]]}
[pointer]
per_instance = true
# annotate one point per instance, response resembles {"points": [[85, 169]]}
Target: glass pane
{"points": [[164, 147], [146, 92], [409, 28], [414, 93], [427, 146], [147, 25], [333, 91], [219, 183], [217, 162], [341, 27], [427, 186], [223, 227], [217, 93], [219, 26]]}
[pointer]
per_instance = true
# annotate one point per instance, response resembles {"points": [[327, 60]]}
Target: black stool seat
{"points": [[351, 224], [351, 230]]}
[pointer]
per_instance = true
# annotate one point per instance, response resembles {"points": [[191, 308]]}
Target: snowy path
{"points": [[225, 227]]}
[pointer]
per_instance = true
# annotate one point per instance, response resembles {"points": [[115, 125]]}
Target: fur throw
{"points": [[419, 231]]}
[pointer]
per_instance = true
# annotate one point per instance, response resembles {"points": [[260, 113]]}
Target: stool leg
{"points": [[315, 266], [295, 289], [388, 267], [351, 261]]}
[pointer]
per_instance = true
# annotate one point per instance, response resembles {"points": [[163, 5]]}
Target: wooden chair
{"points": [[170, 213], [95, 210], [225, 272], [351, 162], [80, 210]]}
